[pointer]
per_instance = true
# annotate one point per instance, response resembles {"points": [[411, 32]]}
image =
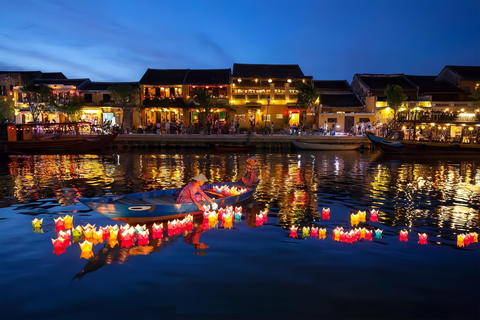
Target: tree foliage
{"points": [[125, 97], [39, 98], [71, 108], [7, 110], [306, 98], [206, 105], [395, 97]]}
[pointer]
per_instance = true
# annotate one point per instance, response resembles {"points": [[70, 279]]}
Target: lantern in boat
{"points": [[221, 212], [362, 216], [322, 233], [143, 237], [368, 235], [293, 232], [68, 222], [59, 224], [404, 235], [422, 238], [58, 246], [373, 215], [157, 231], [86, 247], [378, 233], [314, 232], [460, 239], [326, 214], [36, 223], [306, 232]]}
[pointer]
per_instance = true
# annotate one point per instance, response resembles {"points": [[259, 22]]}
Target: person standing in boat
{"points": [[250, 177], [189, 192]]}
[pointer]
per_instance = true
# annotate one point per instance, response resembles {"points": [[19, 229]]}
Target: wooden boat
{"points": [[232, 148], [144, 207], [325, 146], [422, 148], [51, 137]]}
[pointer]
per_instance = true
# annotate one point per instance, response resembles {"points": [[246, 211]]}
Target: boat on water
{"points": [[150, 206], [231, 148], [422, 147], [52, 137], [325, 146]]}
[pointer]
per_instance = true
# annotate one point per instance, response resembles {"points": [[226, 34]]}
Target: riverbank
{"points": [[260, 141]]}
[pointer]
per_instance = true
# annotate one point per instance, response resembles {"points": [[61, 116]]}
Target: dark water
{"points": [[247, 272]]}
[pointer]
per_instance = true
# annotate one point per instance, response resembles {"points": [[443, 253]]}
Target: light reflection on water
{"points": [[295, 186]]}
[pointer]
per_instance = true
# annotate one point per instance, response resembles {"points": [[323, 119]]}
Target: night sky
{"points": [[329, 39]]}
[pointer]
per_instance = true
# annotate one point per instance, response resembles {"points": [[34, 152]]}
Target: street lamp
{"points": [[266, 116]]}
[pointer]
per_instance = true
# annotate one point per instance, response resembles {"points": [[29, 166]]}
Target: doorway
{"points": [[349, 122]]}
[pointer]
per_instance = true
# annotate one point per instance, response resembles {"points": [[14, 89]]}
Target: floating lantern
{"points": [[354, 219], [98, 236], [404, 235], [342, 237], [358, 234], [362, 233], [221, 212], [128, 238], [368, 235], [467, 239], [238, 210], [66, 235], [228, 218], [264, 215], [58, 246], [475, 236], [362, 216], [373, 215], [378, 234], [36, 223], [322, 233], [206, 208], [293, 232], [59, 224], [86, 247], [314, 232], [306, 232], [68, 222], [88, 232], [214, 206], [336, 233], [157, 231], [88, 226], [112, 242], [139, 228], [422, 238], [113, 233], [143, 237], [77, 232], [259, 220], [326, 214], [460, 239], [105, 232]]}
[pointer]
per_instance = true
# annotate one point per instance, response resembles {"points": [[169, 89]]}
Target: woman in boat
{"points": [[189, 192], [250, 177]]}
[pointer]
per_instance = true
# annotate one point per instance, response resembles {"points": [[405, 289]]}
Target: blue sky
{"points": [[117, 40]]}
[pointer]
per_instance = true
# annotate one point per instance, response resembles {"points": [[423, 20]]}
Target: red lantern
{"points": [[373, 215], [404, 235], [422, 238], [293, 232], [326, 214]]}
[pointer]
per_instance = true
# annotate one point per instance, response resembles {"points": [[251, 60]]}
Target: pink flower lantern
{"points": [[66, 235], [221, 212], [368, 235], [143, 237], [373, 215], [314, 232], [157, 231], [326, 214], [238, 210], [422, 238], [105, 232], [88, 232], [259, 220], [68, 222], [467, 239], [404, 235], [59, 224], [128, 238], [293, 232], [59, 246]]}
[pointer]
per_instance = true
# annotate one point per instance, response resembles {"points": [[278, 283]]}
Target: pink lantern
{"points": [[66, 236], [258, 220], [314, 232], [422, 238], [58, 246], [221, 212], [143, 237], [105, 232], [373, 215], [368, 235], [293, 232], [238, 210], [59, 224], [342, 237], [404, 235], [157, 231], [467, 239], [264, 214], [326, 214]]}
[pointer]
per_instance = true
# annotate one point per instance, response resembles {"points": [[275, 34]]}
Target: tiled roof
{"points": [[466, 72], [66, 82], [164, 77], [333, 100], [332, 85], [103, 86], [52, 75], [208, 77], [427, 84], [379, 82], [274, 71]]}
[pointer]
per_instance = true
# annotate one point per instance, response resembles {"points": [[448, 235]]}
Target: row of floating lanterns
{"points": [[227, 191], [225, 216]]}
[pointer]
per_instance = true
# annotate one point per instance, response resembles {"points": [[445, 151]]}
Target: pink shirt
{"points": [[188, 194]]}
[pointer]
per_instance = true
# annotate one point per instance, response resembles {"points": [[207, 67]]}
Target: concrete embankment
{"points": [[267, 142]]}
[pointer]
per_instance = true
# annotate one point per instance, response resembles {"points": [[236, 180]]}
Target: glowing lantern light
{"points": [[139, 228], [112, 242], [58, 246], [337, 233], [88, 232], [59, 224], [314, 232], [228, 219], [68, 222], [206, 208], [354, 219], [36, 223], [259, 220], [460, 239], [264, 215], [404, 235], [326, 214], [293, 232], [475, 236], [86, 247], [128, 238], [113, 234], [105, 232], [143, 237], [362, 233], [157, 231], [66, 236], [373, 215], [306, 232], [362, 216], [467, 239], [77, 232], [358, 234], [422, 238], [368, 235], [322, 233], [221, 211], [378, 234], [97, 236]]}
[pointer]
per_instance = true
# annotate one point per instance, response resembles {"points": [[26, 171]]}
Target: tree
{"points": [[71, 108], [125, 97], [7, 110], [39, 98], [206, 104], [306, 98], [395, 97]]}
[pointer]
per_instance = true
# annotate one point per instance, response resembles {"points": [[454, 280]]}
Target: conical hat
{"points": [[253, 158], [200, 177]]}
